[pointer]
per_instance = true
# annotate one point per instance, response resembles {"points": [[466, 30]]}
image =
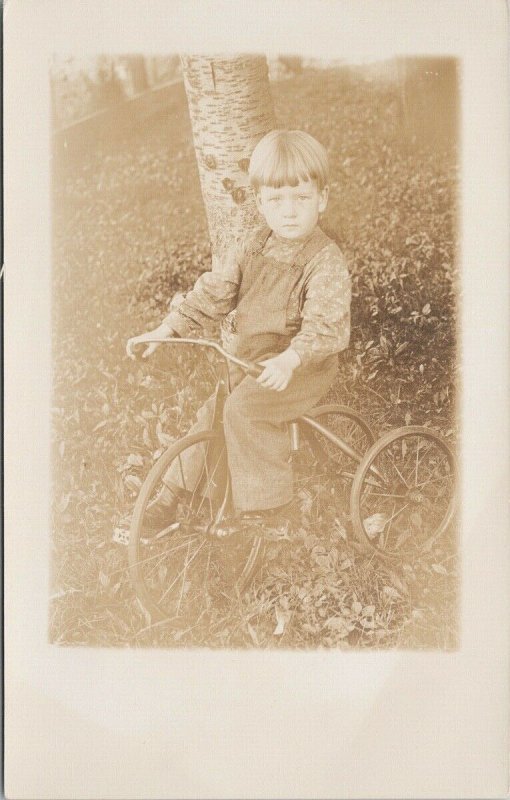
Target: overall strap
{"points": [[317, 241], [249, 269], [259, 238]]}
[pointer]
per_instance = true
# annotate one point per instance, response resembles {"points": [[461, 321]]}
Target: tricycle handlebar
{"points": [[250, 367]]}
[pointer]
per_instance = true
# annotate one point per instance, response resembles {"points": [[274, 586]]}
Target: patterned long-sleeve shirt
{"points": [[324, 296]]}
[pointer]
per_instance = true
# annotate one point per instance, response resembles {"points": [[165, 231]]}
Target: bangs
{"points": [[287, 167], [285, 158]]}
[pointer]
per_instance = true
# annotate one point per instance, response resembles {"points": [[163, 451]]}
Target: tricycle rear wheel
{"points": [[403, 493], [323, 472]]}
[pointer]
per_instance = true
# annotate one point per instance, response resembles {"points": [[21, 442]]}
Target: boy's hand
{"points": [[161, 332], [278, 370]]}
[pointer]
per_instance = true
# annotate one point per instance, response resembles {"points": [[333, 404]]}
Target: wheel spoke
{"points": [[378, 494], [400, 475], [447, 478], [209, 485], [142, 561], [187, 563], [181, 470], [202, 468], [434, 469], [185, 572], [386, 535]]}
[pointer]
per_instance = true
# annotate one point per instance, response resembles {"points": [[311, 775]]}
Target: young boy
{"points": [[290, 287]]}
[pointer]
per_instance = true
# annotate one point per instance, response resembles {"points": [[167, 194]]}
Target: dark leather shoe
{"points": [[273, 521], [158, 516], [268, 515]]}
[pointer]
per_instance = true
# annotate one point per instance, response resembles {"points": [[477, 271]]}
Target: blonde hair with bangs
{"points": [[284, 158]]}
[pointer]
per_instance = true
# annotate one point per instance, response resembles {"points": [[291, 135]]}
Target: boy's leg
{"points": [[181, 475], [185, 473], [257, 435]]}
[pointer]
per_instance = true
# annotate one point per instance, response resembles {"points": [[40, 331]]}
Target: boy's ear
{"points": [[323, 201]]}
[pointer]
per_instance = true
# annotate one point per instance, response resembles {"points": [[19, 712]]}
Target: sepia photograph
{"points": [[256, 373], [254, 304]]}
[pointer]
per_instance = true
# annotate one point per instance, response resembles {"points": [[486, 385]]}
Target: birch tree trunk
{"points": [[231, 109]]}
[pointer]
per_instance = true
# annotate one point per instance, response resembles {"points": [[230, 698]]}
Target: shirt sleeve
{"points": [[213, 296], [325, 327]]}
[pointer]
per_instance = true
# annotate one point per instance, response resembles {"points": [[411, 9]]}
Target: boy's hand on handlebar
{"points": [[278, 370], [161, 332]]}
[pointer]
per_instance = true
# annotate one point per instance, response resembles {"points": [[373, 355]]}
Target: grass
{"points": [[129, 231]]}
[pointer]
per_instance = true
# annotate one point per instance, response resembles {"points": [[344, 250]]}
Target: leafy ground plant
{"points": [[129, 232]]}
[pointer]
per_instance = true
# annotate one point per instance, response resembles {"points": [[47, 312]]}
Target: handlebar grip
{"points": [[137, 351], [255, 370]]}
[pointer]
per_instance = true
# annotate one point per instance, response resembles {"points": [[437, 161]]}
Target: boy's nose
{"points": [[289, 208]]}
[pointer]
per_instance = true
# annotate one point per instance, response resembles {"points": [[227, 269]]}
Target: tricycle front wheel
{"points": [[183, 571], [403, 493]]}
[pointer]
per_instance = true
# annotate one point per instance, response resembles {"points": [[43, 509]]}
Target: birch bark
{"points": [[231, 109]]}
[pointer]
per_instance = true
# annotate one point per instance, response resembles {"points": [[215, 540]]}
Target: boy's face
{"points": [[292, 211]]}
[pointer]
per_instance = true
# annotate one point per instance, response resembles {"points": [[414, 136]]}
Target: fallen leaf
{"points": [[104, 578], [340, 530], [120, 536], [339, 625], [416, 519], [133, 481], [164, 438], [63, 502], [282, 618], [99, 425], [374, 525], [64, 592], [147, 439], [391, 592], [253, 635], [305, 502], [397, 583], [427, 547], [310, 541]]}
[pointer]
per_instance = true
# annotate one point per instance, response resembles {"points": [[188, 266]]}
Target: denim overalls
{"points": [[271, 294]]}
